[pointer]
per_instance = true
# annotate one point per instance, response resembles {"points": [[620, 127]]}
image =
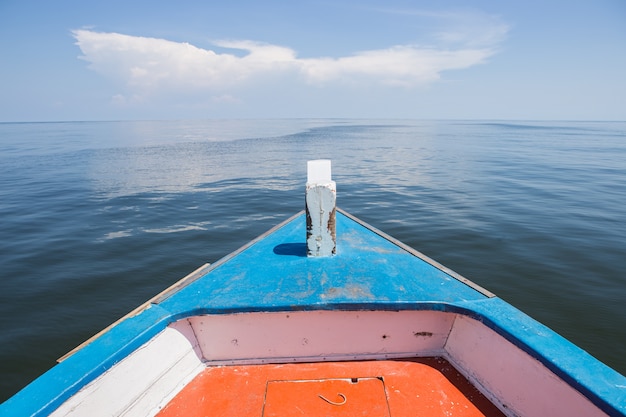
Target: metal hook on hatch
{"points": [[332, 402]]}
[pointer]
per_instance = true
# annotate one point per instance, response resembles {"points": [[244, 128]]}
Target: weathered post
{"points": [[321, 198]]}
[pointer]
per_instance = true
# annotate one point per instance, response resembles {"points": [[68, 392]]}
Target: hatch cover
{"points": [[326, 397]]}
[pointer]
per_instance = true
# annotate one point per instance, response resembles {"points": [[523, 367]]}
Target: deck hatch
{"points": [[326, 397]]}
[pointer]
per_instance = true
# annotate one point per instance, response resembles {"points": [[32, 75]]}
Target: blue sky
{"points": [[499, 59]]}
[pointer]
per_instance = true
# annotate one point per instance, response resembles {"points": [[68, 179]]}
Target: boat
{"points": [[325, 315]]}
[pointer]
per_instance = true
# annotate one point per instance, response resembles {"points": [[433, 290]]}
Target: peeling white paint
{"points": [[321, 201]]}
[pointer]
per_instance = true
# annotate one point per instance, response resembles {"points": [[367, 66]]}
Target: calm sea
{"points": [[97, 217]]}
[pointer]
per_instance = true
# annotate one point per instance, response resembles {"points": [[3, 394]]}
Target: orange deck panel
{"points": [[395, 388]]}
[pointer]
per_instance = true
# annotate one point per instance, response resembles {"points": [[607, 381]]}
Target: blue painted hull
{"points": [[370, 272]]}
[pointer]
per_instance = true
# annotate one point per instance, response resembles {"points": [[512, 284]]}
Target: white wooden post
{"points": [[321, 199]]}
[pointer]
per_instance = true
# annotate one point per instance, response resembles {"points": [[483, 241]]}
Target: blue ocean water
{"points": [[97, 217]]}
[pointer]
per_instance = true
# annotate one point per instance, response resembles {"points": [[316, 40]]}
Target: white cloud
{"points": [[225, 98], [465, 27], [473, 31], [149, 65], [399, 65]]}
